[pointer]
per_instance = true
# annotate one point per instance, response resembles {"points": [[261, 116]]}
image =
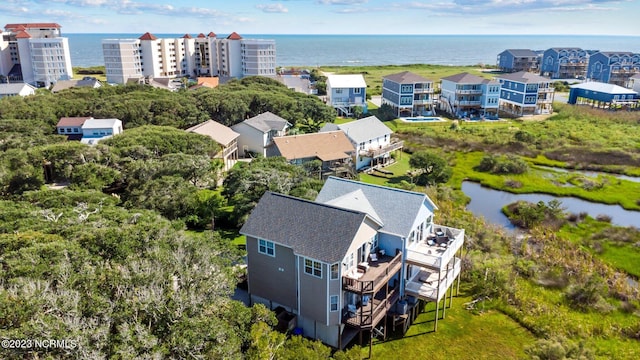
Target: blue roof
{"points": [[395, 207]]}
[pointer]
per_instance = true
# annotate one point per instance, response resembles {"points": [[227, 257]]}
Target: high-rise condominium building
{"points": [[203, 55], [34, 53]]}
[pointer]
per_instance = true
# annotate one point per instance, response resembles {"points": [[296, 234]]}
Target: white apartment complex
{"points": [[204, 55], [34, 53]]}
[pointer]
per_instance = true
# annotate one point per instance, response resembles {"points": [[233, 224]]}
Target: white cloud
{"points": [[343, 2], [509, 6], [273, 8]]}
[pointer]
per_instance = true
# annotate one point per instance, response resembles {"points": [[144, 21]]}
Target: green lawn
{"points": [[461, 335]]}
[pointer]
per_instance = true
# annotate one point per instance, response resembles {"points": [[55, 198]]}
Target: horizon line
{"points": [[329, 34]]}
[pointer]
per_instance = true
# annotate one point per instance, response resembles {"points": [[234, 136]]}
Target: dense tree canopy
{"points": [[245, 184], [103, 258], [138, 105]]}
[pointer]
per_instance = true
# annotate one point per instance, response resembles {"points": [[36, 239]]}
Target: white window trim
{"points": [[266, 247], [331, 297], [337, 265], [313, 267]]}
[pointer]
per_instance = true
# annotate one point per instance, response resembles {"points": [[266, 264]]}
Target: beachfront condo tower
{"points": [[34, 53]]}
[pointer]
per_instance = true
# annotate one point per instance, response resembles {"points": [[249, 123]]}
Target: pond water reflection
{"points": [[488, 203]]}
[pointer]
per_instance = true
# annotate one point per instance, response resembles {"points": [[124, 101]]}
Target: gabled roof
{"points": [[361, 130], [616, 53], [14, 88], [464, 78], [100, 123], [88, 81], [209, 82], [566, 48], [325, 146], [490, 81], [604, 88], [346, 81], [68, 84], [148, 36], [266, 122], [524, 77], [72, 121], [221, 134], [23, 35], [211, 34], [356, 200], [406, 77], [319, 231], [395, 207], [187, 36], [201, 36], [522, 52], [234, 36]]}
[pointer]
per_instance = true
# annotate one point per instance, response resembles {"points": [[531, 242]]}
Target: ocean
{"points": [[353, 50]]}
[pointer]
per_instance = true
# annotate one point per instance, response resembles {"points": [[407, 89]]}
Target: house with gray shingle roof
{"points": [[86, 81], [525, 93], [16, 89], [345, 262], [409, 94], [372, 140], [469, 96], [257, 133], [512, 60]]}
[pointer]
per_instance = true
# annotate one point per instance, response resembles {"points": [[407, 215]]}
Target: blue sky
{"points": [[599, 17]]}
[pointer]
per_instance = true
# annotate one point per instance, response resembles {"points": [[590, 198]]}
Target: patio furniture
{"points": [[373, 256]]}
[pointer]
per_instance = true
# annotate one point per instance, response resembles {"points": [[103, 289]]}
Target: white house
{"points": [[17, 89], [634, 83], [94, 130], [372, 140], [258, 132], [344, 92]]}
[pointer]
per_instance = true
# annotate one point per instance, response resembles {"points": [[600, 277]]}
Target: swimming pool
{"points": [[422, 119]]}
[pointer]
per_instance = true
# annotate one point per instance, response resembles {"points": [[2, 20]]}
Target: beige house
{"points": [[223, 135], [333, 148]]}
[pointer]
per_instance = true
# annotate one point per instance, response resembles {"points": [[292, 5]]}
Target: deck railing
{"points": [[369, 285], [373, 153]]}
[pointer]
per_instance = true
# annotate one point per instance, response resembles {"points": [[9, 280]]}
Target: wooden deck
{"points": [[374, 277], [369, 315]]}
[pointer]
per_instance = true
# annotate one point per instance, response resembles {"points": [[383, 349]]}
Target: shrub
{"points": [[559, 348], [514, 184], [603, 218], [508, 164], [588, 296], [524, 136]]}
